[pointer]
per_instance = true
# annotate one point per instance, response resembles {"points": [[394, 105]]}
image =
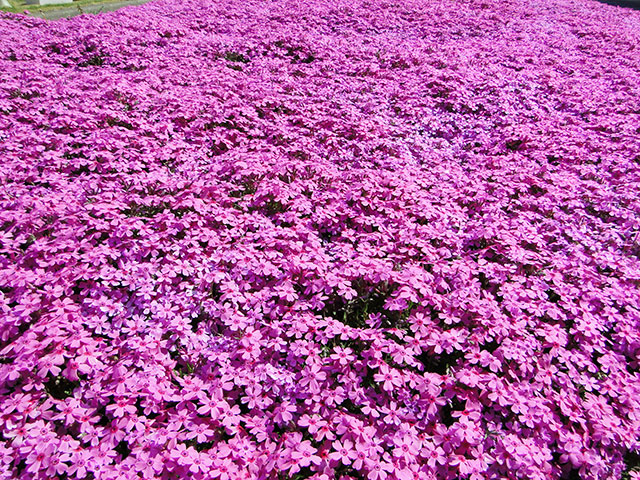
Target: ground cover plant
{"points": [[321, 239]]}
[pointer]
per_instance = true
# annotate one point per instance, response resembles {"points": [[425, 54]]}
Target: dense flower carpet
{"points": [[321, 240]]}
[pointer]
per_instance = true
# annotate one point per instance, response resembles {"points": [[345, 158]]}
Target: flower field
{"points": [[321, 240]]}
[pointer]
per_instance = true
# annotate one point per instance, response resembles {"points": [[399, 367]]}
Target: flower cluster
{"points": [[350, 239]]}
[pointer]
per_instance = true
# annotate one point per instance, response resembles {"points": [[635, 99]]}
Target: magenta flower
{"points": [[42, 458], [122, 407], [362, 454], [305, 454], [389, 378], [200, 462], [343, 356], [150, 466], [312, 422], [379, 470], [434, 455], [222, 469], [406, 448], [343, 452]]}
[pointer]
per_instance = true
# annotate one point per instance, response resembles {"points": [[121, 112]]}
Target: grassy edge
{"points": [[34, 9]]}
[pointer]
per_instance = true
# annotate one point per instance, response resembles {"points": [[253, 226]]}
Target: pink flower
{"points": [[344, 356], [406, 448], [284, 413], [305, 454], [434, 455], [200, 462], [343, 452], [200, 432], [47, 366], [389, 378], [378, 470], [312, 422], [182, 454], [362, 454], [222, 469], [39, 458], [122, 407], [149, 466], [78, 464], [212, 407], [463, 465]]}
